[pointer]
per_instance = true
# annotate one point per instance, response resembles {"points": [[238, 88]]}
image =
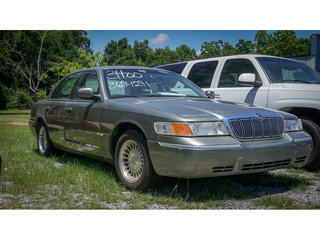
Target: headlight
{"points": [[191, 129], [292, 125]]}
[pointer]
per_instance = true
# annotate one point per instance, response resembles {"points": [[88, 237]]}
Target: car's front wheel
{"points": [[45, 146], [132, 162]]}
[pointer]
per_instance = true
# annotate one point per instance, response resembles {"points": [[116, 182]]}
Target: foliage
{"points": [[34, 61], [18, 99], [216, 48]]}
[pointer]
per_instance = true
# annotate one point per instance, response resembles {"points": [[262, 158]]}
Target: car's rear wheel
{"points": [[45, 146], [313, 129], [132, 162]]}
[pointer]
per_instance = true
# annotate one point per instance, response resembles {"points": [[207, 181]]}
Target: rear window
{"points": [[177, 68]]}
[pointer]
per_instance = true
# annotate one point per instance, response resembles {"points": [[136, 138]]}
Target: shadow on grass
{"points": [[241, 187]]}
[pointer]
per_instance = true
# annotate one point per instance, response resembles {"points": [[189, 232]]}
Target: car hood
{"points": [[192, 109]]}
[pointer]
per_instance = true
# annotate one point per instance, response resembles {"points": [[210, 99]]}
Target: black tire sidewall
{"points": [[313, 129], [146, 176]]}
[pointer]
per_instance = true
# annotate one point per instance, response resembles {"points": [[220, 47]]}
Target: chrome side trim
{"points": [[85, 144], [206, 147], [83, 131], [55, 126]]}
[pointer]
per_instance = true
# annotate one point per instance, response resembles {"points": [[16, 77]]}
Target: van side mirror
{"points": [[250, 79], [210, 94]]}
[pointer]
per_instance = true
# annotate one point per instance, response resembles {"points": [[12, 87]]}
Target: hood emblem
{"points": [[258, 116]]}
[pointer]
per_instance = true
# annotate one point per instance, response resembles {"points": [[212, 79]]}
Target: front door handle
{"points": [[217, 97], [68, 110]]}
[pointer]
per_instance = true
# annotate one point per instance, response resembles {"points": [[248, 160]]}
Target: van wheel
{"points": [[313, 129], [45, 146], [132, 161]]}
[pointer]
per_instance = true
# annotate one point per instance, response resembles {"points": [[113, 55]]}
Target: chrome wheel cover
{"points": [[43, 139], [131, 161]]}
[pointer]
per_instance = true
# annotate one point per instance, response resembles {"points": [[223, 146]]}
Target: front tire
{"points": [[132, 161], [45, 146], [313, 129]]}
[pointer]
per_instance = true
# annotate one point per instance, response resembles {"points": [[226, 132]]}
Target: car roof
{"points": [[120, 67], [222, 57]]}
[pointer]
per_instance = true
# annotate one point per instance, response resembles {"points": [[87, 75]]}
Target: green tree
{"points": [[29, 66], [26, 57], [281, 43], [263, 40], [245, 47], [215, 48], [163, 56], [184, 52], [142, 52]]}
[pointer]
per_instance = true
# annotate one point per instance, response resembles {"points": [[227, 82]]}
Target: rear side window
{"points": [[231, 71], [202, 73], [177, 68]]}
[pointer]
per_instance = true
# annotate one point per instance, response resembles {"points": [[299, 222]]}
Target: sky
{"points": [[175, 38]]}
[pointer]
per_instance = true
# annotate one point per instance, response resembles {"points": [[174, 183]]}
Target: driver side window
{"points": [[231, 71]]}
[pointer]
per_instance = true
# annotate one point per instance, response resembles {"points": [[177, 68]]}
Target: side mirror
{"points": [[210, 94], [250, 79], [247, 78], [87, 93]]}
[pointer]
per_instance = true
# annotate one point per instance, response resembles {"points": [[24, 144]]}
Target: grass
{"points": [[67, 181]]}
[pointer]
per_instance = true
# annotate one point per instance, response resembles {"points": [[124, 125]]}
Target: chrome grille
{"points": [[254, 128]]}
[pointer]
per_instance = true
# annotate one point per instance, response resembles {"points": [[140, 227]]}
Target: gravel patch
{"points": [[308, 196]]}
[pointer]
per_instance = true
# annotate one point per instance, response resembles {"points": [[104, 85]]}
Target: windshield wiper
{"points": [[297, 80]]}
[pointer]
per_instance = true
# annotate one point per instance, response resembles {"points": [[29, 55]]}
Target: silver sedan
{"points": [[151, 122]]}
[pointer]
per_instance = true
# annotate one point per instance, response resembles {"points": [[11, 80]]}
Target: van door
{"points": [[229, 89]]}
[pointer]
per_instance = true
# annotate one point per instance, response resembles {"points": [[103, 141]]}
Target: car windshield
{"points": [[137, 82], [287, 71]]}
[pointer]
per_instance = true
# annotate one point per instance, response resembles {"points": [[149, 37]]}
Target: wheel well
{"points": [[118, 131], [307, 113], [38, 121]]}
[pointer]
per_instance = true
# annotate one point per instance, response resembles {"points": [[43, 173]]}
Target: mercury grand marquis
{"points": [[151, 122]]}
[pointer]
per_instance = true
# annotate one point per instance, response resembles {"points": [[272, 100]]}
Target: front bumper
{"points": [[221, 156]]}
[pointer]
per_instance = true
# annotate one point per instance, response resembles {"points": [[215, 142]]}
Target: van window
{"points": [[202, 73], [231, 71], [177, 68], [287, 71]]}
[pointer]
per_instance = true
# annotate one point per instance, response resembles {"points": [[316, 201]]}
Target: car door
{"points": [[227, 88], [82, 118], [55, 108]]}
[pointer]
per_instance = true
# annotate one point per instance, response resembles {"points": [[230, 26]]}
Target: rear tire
{"points": [[132, 161], [45, 146], [313, 129]]}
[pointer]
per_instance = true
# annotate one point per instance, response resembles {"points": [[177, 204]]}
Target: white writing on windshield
{"points": [[120, 74]]}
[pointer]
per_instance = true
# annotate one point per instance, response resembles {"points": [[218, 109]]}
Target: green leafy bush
{"points": [[19, 99]]}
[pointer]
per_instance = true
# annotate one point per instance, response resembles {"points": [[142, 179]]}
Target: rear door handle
{"points": [[47, 108]]}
